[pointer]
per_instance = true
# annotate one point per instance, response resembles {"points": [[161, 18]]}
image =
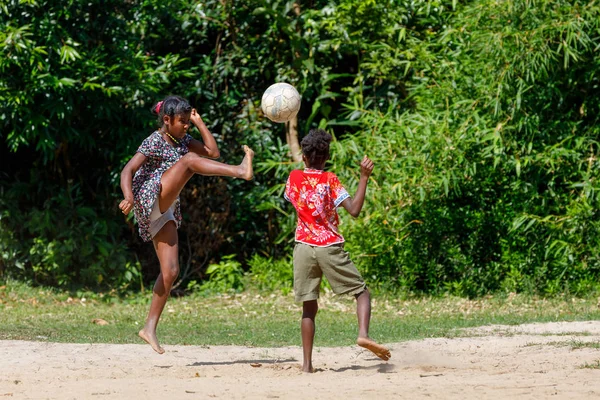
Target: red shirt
{"points": [[315, 195]]}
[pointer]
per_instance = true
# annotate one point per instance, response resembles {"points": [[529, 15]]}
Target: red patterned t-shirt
{"points": [[315, 195]]}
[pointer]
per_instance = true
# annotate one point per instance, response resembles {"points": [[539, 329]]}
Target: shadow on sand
{"points": [[381, 368], [276, 361]]}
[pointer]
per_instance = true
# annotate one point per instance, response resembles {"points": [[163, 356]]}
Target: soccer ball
{"points": [[280, 102]]}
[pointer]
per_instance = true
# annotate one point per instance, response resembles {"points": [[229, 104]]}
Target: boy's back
{"points": [[319, 249], [315, 194]]}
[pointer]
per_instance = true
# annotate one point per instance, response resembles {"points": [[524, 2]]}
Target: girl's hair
{"points": [[315, 146], [171, 106]]}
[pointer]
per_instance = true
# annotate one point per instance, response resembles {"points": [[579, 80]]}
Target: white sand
{"points": [[499, 362]]}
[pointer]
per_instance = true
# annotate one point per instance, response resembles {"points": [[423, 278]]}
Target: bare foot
{"points": [[151, 340], [377, 349], [247, 171]]}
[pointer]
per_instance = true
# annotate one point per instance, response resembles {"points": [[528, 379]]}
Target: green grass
{"points": [[594, 365], [573, 344], [258, 319]]}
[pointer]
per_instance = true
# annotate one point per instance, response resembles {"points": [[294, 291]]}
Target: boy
{"points": [[315, 194]]}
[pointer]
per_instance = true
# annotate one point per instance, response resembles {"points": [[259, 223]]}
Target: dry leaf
{"points": [[255, 365], [99, 321]]}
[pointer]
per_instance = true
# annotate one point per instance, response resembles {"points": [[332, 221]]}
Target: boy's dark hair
{"points": [[171, 106], [315, 146]]}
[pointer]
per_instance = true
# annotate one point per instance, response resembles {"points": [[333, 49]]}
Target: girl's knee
{"points": [[170, 272], [191, 157]]}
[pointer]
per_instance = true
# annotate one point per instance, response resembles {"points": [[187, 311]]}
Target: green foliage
{"points": [[66, 94], [69, 243], [225, 276], [487, 181], [481, 117], [269, 274]]}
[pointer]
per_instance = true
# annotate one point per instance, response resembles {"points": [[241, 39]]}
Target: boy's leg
{"points": [[307, 281], [167, 250], [307, 327], [344, 278], [174, 179], [363, 312]]}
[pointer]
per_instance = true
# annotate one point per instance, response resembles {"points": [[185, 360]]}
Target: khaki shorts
{"points": [[312, 262]]}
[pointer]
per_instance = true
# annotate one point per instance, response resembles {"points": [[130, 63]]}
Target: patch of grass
{"points": [[533, 344], [578, 344], [563, 334], [262, 319], [594, 365], [574, 344]]}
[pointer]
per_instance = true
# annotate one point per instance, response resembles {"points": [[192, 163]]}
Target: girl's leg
{"points": [[175, 178], [363, 312], [167, 250], [307, 328]]}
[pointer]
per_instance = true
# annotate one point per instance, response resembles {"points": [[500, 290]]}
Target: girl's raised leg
{"points": [[175, 178], [167, 250]]}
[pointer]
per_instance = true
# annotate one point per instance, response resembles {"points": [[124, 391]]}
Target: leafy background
{"points": [[481, 117]]}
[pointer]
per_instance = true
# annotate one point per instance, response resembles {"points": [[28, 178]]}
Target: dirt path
{"points": [[537, 361]]}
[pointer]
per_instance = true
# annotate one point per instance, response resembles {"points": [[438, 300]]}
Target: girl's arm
{"points": [[129, 170], [208, 146], [354, 205]]}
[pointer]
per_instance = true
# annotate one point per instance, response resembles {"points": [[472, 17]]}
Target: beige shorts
{"points": [[312, 262], [158, 220]]}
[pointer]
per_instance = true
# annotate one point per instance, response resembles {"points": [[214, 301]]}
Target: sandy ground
{"points": [[537, 361]]}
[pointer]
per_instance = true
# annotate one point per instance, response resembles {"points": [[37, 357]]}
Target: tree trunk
{"points": [[291, 137], [291, 127]]}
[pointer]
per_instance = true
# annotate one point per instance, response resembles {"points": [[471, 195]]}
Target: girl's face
{"points": [[178, 125]]}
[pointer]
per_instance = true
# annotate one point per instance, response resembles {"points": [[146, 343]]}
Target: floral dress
{"points": [[146, 182]]}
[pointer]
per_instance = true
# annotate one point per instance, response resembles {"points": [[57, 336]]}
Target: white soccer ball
{"points": [[280, 102]]}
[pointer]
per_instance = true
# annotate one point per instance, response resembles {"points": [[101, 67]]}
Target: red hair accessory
{"points": [[157, 109]]}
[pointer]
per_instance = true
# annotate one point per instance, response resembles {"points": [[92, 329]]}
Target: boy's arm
{"points": [[208, 146], [354, 205], [129, 170]]}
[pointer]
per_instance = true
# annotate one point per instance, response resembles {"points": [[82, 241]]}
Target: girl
{"points": [[152, 180]]}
